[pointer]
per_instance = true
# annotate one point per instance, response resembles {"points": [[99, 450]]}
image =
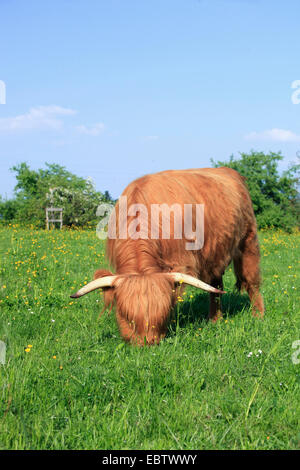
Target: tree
{"points": [[107, 196], [275, 197], [8, 209], [53, 186]]}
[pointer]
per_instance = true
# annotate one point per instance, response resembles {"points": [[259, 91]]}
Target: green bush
{"points": [[53, 186], [275, 197]]}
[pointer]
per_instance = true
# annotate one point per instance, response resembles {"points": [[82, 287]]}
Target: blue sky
{"points": [[114, 89]]}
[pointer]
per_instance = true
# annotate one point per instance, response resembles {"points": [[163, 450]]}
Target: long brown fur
{"points": [[143, 292]]}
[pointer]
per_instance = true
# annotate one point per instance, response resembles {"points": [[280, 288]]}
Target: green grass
{"points": [[78, 386]]}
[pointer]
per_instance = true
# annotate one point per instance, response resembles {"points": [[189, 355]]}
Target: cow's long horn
{"points": [[193, 281], [105, 281]]}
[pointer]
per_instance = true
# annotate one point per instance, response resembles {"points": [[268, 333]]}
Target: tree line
{"points": [[275, 195]]}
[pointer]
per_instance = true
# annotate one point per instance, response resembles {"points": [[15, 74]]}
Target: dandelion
{"points": [[53, 357]]}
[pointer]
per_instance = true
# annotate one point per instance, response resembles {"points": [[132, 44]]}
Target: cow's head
{"points": [[143, 301]]}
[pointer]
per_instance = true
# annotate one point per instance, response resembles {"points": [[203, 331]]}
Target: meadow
{"points": [[70, 382]]}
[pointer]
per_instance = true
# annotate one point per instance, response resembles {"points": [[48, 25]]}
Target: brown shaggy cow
{"points": [[149, 272]]}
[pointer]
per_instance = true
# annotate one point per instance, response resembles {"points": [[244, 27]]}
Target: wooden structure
{"points": [[50, 216]]}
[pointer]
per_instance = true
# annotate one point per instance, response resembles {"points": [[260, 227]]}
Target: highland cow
{"points": [[151, 272]]}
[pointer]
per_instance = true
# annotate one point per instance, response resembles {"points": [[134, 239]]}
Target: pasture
{"points": [[70, 382]]}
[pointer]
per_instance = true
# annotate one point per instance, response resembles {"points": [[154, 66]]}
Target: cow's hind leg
{"points": [[246, 267], [215, 309]]}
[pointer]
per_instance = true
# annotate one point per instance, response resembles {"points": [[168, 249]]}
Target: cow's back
{"points": [[228, 217]]}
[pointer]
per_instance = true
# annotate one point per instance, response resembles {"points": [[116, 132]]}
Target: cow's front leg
{"points": [[215, 309]]}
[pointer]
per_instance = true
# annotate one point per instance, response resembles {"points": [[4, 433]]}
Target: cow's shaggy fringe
{"points": [[143, 292]]}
